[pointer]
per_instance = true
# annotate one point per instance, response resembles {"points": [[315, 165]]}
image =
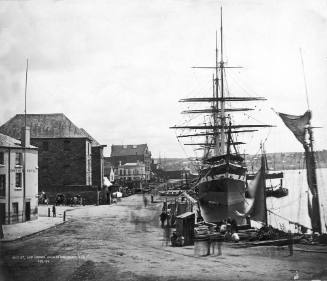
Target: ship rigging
{"points": [[222, 176]]}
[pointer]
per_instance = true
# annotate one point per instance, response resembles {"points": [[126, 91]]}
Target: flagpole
{"points": [[24, 163]]}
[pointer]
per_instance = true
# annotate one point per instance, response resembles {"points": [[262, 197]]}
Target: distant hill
{"points": [[276, 161]]}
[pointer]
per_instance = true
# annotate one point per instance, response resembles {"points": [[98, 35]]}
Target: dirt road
{"points": [[125, 242]]}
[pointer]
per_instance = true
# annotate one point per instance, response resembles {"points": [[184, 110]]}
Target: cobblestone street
{"points": [[125, 242]]}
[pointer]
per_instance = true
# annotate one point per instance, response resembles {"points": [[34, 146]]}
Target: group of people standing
{"points": [[166, 217], [228, 228]]}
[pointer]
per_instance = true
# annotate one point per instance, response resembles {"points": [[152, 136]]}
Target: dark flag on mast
{"points": [[301, 128], [297, 124]]}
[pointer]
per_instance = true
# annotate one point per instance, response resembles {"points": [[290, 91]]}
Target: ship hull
{"points": [[220, 196]]}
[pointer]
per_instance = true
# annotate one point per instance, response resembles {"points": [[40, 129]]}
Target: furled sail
{"points": [[213, 134], [256, 205], [301, 128], [222, 99], [210, 127], [214, 110]]}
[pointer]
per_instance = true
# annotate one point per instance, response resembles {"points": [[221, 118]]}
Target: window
{"points": [[2, 185], [66, 145], [2, 160], [45, 146], [19, 159], [18, 180]]}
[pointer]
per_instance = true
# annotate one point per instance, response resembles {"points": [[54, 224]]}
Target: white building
{"points": [[18, 179], [132, 171]]}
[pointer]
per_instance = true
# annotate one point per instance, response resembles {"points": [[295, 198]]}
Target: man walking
{"points": [[54, 211], [163, 217]]}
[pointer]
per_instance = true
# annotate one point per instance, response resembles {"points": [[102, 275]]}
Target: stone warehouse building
{"points": [[65, 152], [18, 179], [122, 154]]}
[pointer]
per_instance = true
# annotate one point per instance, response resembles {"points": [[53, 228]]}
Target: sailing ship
{"points": [[222, 176], [300, 126]]}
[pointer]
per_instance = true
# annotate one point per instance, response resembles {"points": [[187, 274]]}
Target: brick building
{"points": [[65, 151], [122, 154], [18, 180]]}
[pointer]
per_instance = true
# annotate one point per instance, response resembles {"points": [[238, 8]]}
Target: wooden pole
{"points": [[24, 163]]}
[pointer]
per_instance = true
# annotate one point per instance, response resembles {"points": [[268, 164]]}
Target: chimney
{"points": [[26, 136]]}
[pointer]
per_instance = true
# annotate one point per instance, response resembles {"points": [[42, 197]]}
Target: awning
{"points": [[106, 182]]}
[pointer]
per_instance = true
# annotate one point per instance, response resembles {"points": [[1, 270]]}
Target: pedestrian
{"points": [[220, 242], [167, 234], [54, 211], [168, 216], [163, 217], [234, 225], [145, 200]]}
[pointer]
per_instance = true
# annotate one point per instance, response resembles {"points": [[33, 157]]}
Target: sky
{"points": [[118, 68]]}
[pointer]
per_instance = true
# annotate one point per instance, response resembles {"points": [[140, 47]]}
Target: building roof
{"points": [[126, 150], [6, 141], [94, 142], [55, 125]]}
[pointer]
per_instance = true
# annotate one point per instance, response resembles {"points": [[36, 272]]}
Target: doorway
{"points": [[27, 211], [2, 213]]}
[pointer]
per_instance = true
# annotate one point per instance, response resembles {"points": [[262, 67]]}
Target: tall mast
{"points": [[221, 66], [216, 116], [314, 175], [305, 81], [218, 130], [311, 155], [263, 171]]}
